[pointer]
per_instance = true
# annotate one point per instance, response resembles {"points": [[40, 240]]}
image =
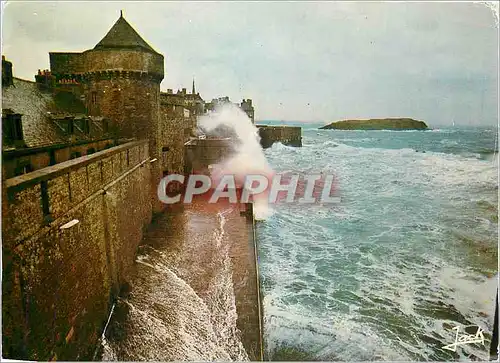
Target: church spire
{"points": [[193, 90]]}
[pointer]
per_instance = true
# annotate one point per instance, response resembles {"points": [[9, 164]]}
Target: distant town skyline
{"points": [[301, 61]]}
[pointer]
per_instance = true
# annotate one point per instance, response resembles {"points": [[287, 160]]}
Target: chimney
{"points": [[7, 76], [45, 80]]}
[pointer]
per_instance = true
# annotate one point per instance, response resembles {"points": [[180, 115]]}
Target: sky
{"points": [[297, 61]]}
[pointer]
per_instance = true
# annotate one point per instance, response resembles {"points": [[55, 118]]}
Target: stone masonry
{"points": [[58, 283]]}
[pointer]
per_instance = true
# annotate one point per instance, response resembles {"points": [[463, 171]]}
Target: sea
{"points": [[408, 254]]}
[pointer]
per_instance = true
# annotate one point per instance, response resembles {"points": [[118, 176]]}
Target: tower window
{"points": [[23, 168], [94, 97], [52, 155]]}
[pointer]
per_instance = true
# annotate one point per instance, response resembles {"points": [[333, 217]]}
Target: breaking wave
{"points": [[410, 252], [165, 318]]}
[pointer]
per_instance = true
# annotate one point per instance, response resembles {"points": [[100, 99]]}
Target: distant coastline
{"points": [[377, 124]]}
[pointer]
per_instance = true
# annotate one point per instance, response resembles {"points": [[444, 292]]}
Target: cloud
{"points": [[297, 61]]}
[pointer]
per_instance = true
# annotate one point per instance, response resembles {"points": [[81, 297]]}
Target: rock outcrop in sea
{"points": [[378, 124]]}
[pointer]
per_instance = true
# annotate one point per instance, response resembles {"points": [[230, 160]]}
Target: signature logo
{"points": [[465, 338]]}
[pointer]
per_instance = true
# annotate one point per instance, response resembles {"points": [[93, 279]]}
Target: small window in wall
{"points": [[18, 127], [165, 149], [23, 168], [94, 97], [52, 156], [75, 155]]}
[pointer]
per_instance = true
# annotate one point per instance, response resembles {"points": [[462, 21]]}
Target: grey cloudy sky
{"points": [[314, 61]]}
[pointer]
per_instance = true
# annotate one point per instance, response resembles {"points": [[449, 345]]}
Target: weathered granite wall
{"points": [[175, 131], [200, 153], [124, 86], [41, 157], [287, 135], [58, 283], [94, 60], [246, 281]]}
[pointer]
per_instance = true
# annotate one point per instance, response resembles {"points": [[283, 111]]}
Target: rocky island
{"points": [[377, 124]]}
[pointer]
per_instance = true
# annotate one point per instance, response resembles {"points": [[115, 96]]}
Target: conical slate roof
{"points": [[122, 35]]}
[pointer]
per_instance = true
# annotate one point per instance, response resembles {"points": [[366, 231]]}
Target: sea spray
{"points": [[406, 257], [181, 305], [107, 351], [164, 320], [248, 155]]}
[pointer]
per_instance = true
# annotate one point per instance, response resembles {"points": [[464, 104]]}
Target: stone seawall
{"points": [[247, 289], [200, 153], [194, 293], [287, 135], [58, 282]]}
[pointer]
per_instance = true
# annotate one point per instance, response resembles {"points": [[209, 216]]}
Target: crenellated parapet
{"points": [[103, 75], [103, 64], [111, 74]]}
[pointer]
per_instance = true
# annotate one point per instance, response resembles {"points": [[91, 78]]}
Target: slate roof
{"points": [[25, 98], [123, 36], [42, 119]]}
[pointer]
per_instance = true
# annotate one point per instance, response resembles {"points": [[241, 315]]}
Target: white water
{"points": [[407, 255], [248, 156], [181, 306], [169, 321]]}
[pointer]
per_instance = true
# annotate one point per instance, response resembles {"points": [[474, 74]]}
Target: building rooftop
{"points": [[44, 114], [25, 98], [123, 36]]}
